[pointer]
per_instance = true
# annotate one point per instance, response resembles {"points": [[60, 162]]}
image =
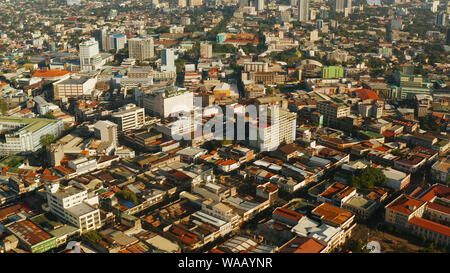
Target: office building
{"points": [[129, 117], [141, 49], [332, 111], [339, 6], [116, 41], [441, 19], [90, 58], [73, 87], [101, 35]]}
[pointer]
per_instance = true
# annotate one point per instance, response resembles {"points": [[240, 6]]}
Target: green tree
{"points": [[46, 140], [49, 115], [368, 178], [127, 195]]}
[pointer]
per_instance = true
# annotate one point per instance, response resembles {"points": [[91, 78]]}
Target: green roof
{"points": [[31, 124]]}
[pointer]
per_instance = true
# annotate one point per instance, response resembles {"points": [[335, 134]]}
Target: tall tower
{"points": [[339, 6], [90, 58], [260, 5], [206, 50], [141, 49], [303, 10], [168, 60]]}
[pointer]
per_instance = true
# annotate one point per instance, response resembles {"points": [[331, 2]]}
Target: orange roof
{"points": [[366, 94], [430, 225], [302, 245], [436, 191], [50, 73], [388, 134], [332, 214], [381, 149], [287, 213], [405, 204]]}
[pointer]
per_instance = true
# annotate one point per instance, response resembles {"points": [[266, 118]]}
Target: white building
{"points": [[168, 101], [90, 58], [24, 134], [168, 60], [69, 203], [83, 165], [129, 117], [106, 131]]}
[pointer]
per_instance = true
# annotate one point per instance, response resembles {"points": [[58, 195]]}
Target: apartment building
{"points": [[129, 117], [279, 129]]}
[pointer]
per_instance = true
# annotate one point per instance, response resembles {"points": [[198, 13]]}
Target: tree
{"points": [[46, 140], [128, 195], [368, 178], [49, 115]]}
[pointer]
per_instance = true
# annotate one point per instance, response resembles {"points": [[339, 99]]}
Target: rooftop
{"points": [[29, 232], [405, 204]]}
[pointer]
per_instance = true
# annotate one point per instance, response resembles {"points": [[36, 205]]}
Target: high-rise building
{"points": [[101, 35], [129, 117], [280, 128], [168, 60], [116, 41], [260, 5], [447, 40], [339, 6], [141, 48], [294, 3], [303, 10], [441, 19], [90, 58], [349, 5], [106, 131], [206, 50]]}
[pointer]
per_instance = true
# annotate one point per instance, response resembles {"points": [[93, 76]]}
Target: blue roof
{"points": [[126, 203]]}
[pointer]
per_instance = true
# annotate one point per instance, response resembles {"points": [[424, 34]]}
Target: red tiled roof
{"points": [[302, 245], [405, 204], [290, 214], [366, 94], [436, 191], [430, 225]]}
